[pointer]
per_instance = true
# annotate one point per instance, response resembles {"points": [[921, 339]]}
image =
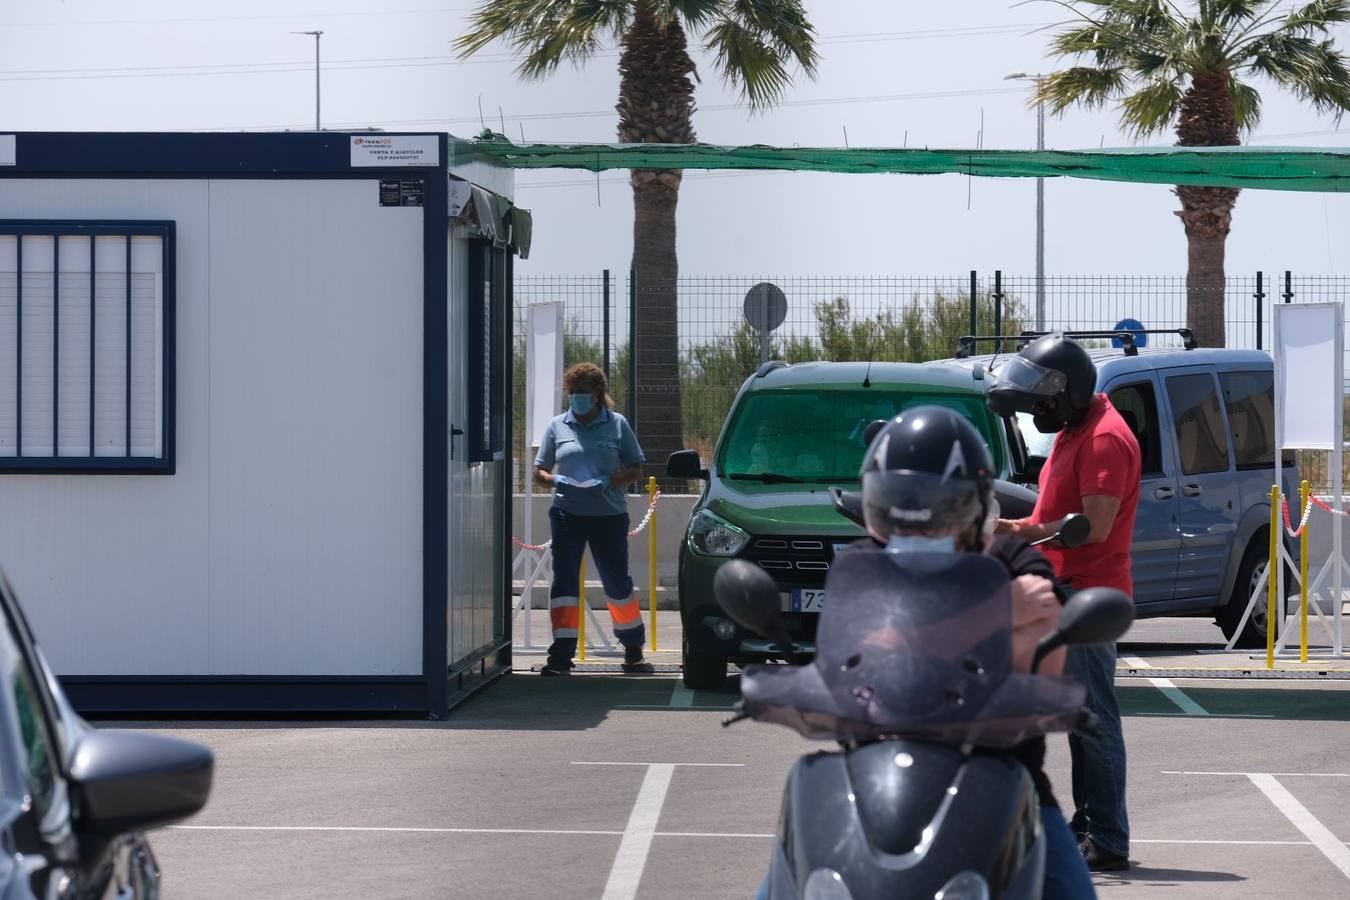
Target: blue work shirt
{"points": [[583, 452]]}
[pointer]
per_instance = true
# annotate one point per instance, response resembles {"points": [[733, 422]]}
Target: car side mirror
{"points": [[685, 464], [1031, 473], [1092, 616], [131, 781], [748, 595]]}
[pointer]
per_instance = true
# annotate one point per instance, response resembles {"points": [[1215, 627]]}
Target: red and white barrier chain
{"points": [[651, 509], [1307, 514]]}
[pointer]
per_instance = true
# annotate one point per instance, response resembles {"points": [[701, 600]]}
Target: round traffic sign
{"points": [[765, 306], [1140, 340]]}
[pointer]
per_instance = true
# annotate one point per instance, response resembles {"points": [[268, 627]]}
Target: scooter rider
{"points": [[927, 486]]}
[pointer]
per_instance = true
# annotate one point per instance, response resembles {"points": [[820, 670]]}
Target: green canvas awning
{"points": [[1264, 168]]}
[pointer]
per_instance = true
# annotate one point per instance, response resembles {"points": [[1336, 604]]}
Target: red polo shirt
{"points": [[1098, 457]]}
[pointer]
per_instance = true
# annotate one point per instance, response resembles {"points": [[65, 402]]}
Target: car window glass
{"points": [[39, 764], [1250, 400], [1138, 406], [816, 434], [1038, 443], [1202, 437]]}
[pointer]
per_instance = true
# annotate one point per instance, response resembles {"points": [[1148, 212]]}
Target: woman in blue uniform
{"points": [[588, 455]]}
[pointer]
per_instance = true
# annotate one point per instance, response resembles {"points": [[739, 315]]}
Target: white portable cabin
{"points": [[253, 416]]}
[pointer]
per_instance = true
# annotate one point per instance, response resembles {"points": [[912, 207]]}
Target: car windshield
{"points": [[816, 434], [1038, 443]]}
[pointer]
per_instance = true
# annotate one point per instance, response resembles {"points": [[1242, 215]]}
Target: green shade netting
{"points": [[1269, 168]]}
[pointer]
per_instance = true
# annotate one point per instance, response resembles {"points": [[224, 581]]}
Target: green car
{"points": [[793, 432]]}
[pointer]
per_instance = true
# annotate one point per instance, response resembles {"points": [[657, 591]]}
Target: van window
{"points": [[1250, 400], [1202, 437], [1138, 406], [39, 762]]}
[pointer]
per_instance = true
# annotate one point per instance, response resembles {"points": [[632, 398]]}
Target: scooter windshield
{"points": [[914, 645]]}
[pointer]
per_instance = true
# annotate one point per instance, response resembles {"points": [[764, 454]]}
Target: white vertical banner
{"points": [[1308, 375], [543, 367]]}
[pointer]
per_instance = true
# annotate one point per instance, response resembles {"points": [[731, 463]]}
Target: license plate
{"points": [[808, 600]]}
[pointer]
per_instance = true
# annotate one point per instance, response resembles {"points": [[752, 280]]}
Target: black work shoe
{"points": [[634, 664], [1102, 860], [550, 668]]}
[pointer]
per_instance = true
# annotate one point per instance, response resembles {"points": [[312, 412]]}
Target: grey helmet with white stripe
{"points": [[928, 471]]}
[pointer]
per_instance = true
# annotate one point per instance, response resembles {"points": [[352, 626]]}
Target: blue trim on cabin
{"points": [[298, 155]]}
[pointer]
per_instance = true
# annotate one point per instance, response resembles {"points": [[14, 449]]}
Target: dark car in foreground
{"points": [[74, 800]]}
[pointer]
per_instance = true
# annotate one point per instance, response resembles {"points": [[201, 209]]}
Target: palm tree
{"points": [[1189, 69], [754, 44]]}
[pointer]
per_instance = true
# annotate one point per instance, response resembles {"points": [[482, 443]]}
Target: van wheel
{"points": [[1227, 617], [703, 671]]}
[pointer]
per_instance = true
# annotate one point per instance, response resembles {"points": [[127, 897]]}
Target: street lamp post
{"points": [[1040, 198], [316, 35]]}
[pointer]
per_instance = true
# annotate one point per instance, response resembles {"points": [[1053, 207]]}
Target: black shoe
{"points": [[1101, 860], [634, 664], [552, 668]]}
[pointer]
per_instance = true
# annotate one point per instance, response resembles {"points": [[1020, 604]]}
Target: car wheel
{"points": [[1254, 564], [703, 671]]}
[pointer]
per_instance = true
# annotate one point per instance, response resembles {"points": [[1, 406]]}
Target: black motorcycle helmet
{"points": [[1053, 379], [927, 471]]}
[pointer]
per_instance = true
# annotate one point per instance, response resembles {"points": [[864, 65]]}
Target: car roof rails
{"points": [[769, 366], [965, 345]]}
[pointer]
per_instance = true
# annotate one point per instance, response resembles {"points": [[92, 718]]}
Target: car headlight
{"points": [[966, 886], [712, 535]]}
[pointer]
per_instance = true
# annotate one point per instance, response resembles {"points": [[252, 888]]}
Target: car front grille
{"points": [[801, 626], [792, 561]]}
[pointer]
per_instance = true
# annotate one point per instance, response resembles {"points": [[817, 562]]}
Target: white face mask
{"points": [[919, 543]]}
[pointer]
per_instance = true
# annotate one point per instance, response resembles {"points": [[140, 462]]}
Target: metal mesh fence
{"points": [[695, 346]]}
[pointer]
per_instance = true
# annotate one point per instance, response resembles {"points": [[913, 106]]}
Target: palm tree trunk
{"points": [[1206, 119], [656, 104]]}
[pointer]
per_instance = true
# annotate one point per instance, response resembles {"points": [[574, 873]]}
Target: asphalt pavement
{"points": [[614, 787]]}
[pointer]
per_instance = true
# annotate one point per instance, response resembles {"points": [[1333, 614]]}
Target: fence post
{"points": [[998, 308], [1260, 296], [974, 303], [632, 348], [1288, 286], [606, 324]]}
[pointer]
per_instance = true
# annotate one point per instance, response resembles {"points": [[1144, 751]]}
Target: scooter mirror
{"points": [[873, 429], [1074, 530], [749, 596], [1096, 616]]}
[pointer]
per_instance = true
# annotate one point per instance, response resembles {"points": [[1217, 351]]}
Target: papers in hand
{"points": [[570, 482]]}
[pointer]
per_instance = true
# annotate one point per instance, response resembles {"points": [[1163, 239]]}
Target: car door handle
{"points": [[1164, 493], [1192, 490]]}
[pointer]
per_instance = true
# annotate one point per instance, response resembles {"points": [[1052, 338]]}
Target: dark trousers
{"points": [[1099, 760], [607, 536]]}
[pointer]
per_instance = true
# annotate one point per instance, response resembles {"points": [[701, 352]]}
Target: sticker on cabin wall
{"points": [[6, 149], [401, 191], [395, 150]]}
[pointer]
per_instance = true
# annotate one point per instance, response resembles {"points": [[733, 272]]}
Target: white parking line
{"points": [[393, 830], [696, 765], [672, 706], [1304, 821], [681, 695], [1272, 774], [1170, 690], [631, 859]]}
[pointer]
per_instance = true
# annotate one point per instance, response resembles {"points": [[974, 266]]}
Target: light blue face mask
{"points": [[581, 404], [919, 543]]}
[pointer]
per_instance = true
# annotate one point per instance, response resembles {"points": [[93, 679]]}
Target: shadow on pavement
{"points": [[1164, 877], [1288, 705]]}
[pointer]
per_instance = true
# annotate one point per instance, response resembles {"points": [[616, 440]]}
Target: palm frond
{"points": [[756, 41], [1317, 16], [1083, 85], [1314, 71], [1229, 13], [1152, 108], [546, 32], [1246, 106]]}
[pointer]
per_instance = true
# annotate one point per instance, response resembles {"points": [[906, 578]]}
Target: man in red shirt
{"points": [[1093, 468]]}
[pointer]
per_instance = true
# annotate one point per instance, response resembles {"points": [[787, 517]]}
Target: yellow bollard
{"points": [[1304, 492], [651, 557], [1272, 574], [581, 613]]}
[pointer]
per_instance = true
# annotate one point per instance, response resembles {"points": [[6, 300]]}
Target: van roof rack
{"points": [[769, 366], [965, 345]]}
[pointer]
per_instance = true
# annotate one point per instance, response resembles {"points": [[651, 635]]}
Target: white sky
{"points": [[198, 65]]}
